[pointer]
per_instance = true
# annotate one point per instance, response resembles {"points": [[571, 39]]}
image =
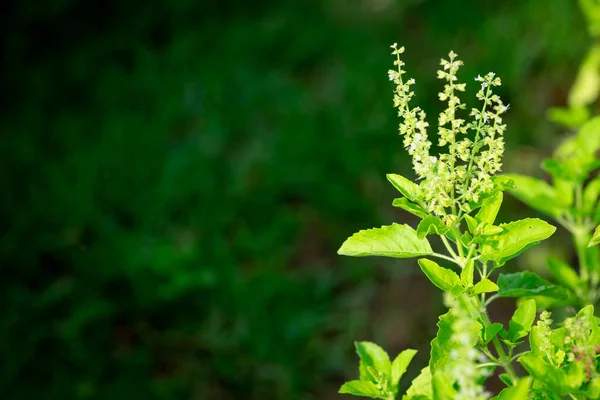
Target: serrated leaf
{"points": [[400, 365], [431, 224], [466, 275], [489, 208], [442, 387], [360, 388], [397, 241], [412, 208], [405, 186], [595, 237], [484, 286], [564, 274], [536, 193], [527, 283], [441, 277], [420, 388], [491, 331], [374, 357], [521, 321], [442, 345], [518, 392], [515, 238]]}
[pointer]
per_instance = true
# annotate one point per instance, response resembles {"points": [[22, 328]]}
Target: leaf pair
{"points": [[379, 378]]}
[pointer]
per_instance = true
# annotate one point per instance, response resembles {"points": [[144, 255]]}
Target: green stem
{"points": [[459, 245], [449, 247], [454, 260], [503, 360]]}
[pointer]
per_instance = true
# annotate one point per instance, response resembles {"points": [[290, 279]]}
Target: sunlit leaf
{"points": [[536, 193], [409, 189], [521, 321], [515, 238], [484, 286], [412, 208], [431, 224], [397, 241], [595, 237], [400, 365], [441, 277], [489, 209], [360, 388]]}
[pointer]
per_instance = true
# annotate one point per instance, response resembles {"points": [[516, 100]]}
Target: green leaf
{"points": [[572, 117], [412, 208], [466, 275], [595, 237], [400, 364], [397, 241], [420, 388], [521, 321], [372, 359], [491, 230], [502, 183], [518, 392], [472, 223], [515, 238], [593, 389], [442, 345], [588, 137], [565, 190], [586, 87], [431, 224], [361, 388], [409, 189], [539, 369], [536, 193], [590, 196], [491, 331], [528, 284], [484, 286], [489, 208], [506, 379], [441, 277], [564, 274], [591, 10], [442, 387], [587, 313]]}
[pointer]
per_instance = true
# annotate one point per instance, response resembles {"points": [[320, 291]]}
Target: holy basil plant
{"points": [[457, 194]]}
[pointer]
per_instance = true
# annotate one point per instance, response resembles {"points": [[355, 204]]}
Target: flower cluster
{"points": [[450, 181], [465, 357], [578, 337], [546, 346]]}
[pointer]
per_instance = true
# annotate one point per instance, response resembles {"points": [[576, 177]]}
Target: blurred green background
{"points": [[178, 176]]}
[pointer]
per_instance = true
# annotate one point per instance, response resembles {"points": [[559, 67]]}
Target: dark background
{"points": [[178, 175]]}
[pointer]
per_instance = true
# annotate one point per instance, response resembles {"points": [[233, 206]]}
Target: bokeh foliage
{"points": [[179, 174]]}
